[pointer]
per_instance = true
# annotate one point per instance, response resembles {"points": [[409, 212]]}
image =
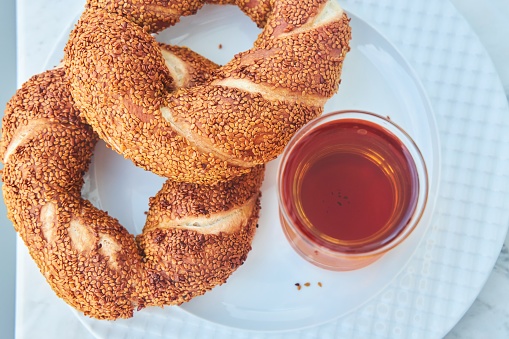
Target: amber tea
{"points": [[349, 186]]}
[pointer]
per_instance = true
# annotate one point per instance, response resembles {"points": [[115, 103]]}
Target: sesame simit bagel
{"points": [[195, 236], [240, 118]]}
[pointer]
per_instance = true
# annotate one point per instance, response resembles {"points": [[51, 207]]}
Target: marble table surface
{"points": [[39, 24]]}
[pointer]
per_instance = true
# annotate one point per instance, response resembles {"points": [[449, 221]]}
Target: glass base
{"points": [[323, 257]]}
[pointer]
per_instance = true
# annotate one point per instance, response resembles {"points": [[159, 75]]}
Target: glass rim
{"points": [[407, 141]]}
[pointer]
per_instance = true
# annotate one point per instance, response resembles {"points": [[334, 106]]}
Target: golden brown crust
{"points": [[270, 58], [152, 15], [125, 111], [28, 105], [177, 114], [244, 128], [242, 118], [196, 235], [86, 256], [44, 99]]}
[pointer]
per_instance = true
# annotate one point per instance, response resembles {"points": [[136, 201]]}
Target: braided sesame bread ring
{"points": [[194, 238], [211, 132]]}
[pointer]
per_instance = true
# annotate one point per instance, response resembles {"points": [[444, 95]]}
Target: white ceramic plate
{"points": [[403, 295], [261, 295]]}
